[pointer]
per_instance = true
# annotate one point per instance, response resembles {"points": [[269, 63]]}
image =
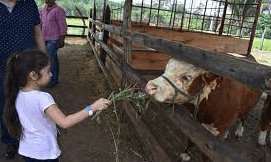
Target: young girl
{"points": [[30, 114]]}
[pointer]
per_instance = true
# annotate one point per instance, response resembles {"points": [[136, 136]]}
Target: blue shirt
{"points": [[17, 29]]}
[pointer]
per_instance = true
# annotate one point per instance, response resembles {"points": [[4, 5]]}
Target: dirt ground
{"points": [[263, 57], [82, 82]]}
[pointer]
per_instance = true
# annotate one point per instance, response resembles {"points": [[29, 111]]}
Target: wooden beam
{"points": [[150, 13], [158, 16], [142, 60], [117, 49], [174, 13], [183, 13], [77, 26], [220, 32], [207, 41], [74, 35], [111, 54], [106, 20], [158, 154], [93, 24], [133, 76], [171, 13], [117, 30], [206, 142], [127, 27], [78, 17], [127, 70], [252, 35], [110, 81], [141, 13], [89, 22]]}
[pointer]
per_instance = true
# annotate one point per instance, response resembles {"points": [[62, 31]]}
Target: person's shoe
{"points": [[10, 151]]}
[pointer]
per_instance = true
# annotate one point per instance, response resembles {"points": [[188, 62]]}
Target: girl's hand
{"points": [[100, 104]]}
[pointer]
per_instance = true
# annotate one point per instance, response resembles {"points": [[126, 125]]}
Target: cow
{"points": [[215, 101]]}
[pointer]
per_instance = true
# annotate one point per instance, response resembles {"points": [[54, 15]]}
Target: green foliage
{"points": [[72, 21], [39, 3], [75, 31], [264, 22], [266, 44], [69, 6], [242, 10]]}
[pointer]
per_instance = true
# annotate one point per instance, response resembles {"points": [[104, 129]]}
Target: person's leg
{"points": [[12, 144], [52, 47]]}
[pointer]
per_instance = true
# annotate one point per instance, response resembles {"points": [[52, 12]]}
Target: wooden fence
{"points": [[250, 73], [82, 27]]}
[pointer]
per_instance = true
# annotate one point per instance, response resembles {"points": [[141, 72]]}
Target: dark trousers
{"points": [[27, 159], [5, 136], [52, 47]]}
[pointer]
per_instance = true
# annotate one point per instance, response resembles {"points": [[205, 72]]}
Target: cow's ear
{"points": [[208, 77]]}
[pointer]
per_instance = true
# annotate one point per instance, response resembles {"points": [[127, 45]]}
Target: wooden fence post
{"points": [[220, 32], [257, 14], [90, 23], [127, 25], [93, 25], [106, 18]]}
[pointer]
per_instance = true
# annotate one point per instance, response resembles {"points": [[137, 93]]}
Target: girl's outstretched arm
{"points": [[67, 121]]}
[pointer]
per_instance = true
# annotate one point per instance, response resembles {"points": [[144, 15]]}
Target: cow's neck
{"points": [[206, 90]]}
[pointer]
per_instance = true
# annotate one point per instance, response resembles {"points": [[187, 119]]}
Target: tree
{"points": [[266, 6], [241, 12], [264, 27]]}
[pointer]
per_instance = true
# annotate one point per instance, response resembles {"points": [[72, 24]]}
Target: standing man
{"points": [[54, 28], [19, 30]]}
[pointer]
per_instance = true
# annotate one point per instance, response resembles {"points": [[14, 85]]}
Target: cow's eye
{"points": [[186, 78]]}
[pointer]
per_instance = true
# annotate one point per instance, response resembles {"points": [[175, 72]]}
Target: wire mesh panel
{"points": [[116, 9], [222, 17], [239, 18]]}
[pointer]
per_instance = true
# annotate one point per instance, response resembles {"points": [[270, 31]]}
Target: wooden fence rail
{"points": [[83, 27]]}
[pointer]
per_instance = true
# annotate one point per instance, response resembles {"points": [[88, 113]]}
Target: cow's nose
{"points": [[151, 88]]}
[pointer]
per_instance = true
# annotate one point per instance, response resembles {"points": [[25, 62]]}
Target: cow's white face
{"points": [[181, 74]]}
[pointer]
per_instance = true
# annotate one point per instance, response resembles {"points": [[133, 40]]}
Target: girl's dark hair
{"points": [[19, 66]]}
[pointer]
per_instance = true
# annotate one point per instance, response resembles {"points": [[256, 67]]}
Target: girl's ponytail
{"points": [[19, 66], [12, 88]]}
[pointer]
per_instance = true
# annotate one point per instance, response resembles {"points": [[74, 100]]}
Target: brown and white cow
{"points": [[217, 102]]}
